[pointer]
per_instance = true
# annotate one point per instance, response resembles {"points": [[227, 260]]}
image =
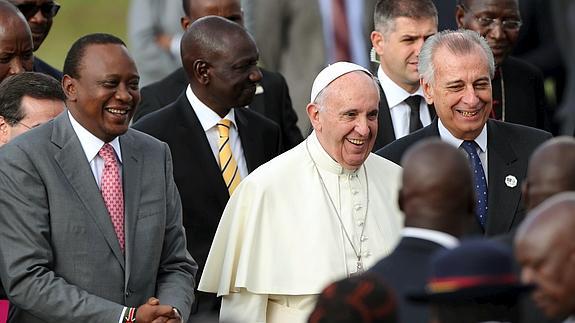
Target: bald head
{"points": [[434, 173], [220, 59], [16, 47], [546, 251], [551, 170]]}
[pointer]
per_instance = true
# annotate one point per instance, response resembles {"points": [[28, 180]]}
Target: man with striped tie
{"points": [[215, 140]]}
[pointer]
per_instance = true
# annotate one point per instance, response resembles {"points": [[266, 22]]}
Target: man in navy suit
{"points": [[433, 173], [219, 57], [456, 69]]}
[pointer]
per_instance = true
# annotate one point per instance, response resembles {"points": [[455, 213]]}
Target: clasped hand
{"points": [[154, 312]]}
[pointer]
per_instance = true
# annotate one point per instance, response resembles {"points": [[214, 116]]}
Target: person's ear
{"points": [[400, 199], [201, 71], [377, 42], [525, 193], [427, 91], [459, 16], [185, 22], [69, 85], [4, 131], [313, 111]]}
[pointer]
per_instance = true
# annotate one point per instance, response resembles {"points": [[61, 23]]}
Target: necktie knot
{"points": [[108, 154], [469, 145], [224, 128]]}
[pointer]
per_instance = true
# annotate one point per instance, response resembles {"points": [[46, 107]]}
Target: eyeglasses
{"points": [[25, 125], [15, 122], [48, 9], [486, 22]]}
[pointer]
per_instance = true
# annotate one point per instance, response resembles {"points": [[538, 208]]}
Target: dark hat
{"points": [[476, 270], [359, 299]]}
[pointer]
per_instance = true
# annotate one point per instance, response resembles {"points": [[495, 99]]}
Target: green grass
{"points": [[80, 17]]}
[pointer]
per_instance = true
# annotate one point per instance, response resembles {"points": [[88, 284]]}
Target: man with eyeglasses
{"points": [[28, 100], [518, 92], [39, 14]]}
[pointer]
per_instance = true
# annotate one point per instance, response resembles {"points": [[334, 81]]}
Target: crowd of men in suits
{"points": [[199, 192]]}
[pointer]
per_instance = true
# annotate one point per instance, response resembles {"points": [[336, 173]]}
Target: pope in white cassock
{"points": [[322, 211]]}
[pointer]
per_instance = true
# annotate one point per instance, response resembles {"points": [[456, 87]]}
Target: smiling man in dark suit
{"points": [[456, 70], [401, 27], [220, 58], [272, 97]]}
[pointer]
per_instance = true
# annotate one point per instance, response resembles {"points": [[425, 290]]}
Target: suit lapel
{"points": [[132, 172], [385, 132], [503, 199], [72, 160], [432, 113], [251, 142], [201, 156]]}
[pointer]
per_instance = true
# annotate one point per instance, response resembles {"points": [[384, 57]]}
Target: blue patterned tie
{"points": [[478, 179]]}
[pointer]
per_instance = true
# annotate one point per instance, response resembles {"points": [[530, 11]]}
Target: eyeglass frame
{"points": [[486, 22], [53, 11], [16, 122]]}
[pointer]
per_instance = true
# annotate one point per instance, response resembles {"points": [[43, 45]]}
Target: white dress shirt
{"points": [[91, 146], [398, 109], [209, 120], [481, 141]]}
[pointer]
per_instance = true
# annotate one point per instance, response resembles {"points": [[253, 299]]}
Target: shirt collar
{"points": [[394, 93], [441, 238], [446, 136], [208, 118], [90, 143]]}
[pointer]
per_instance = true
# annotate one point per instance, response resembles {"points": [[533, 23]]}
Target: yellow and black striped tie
{"points": [[228, 164]]}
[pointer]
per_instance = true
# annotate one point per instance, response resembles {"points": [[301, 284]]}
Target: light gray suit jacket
{"points": [[60, 260]]}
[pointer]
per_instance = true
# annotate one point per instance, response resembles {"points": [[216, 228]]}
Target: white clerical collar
{"points": [[441, 238], [322, 158], [394, 93], [208, 118], [90, 143], [446, 136]]}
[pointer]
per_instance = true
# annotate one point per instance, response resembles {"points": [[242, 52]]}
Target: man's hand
{"points": [[153, 312]]}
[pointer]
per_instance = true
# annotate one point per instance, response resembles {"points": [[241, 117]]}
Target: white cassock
{"points": [[280, 241]]}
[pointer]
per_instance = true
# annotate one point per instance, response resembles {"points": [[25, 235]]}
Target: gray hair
{"points": [[387, 10], [460, 42]]}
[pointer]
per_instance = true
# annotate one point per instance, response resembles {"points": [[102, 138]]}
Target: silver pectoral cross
{"points": [[359, 268]]}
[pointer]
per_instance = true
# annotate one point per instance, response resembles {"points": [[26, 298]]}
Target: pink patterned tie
{"points": [[111, 188]]}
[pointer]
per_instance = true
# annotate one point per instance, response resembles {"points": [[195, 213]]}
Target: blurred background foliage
{"points": [[80, 17]]}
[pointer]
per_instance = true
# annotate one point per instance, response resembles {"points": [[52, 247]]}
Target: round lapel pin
{"points": [[511, 181]]}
